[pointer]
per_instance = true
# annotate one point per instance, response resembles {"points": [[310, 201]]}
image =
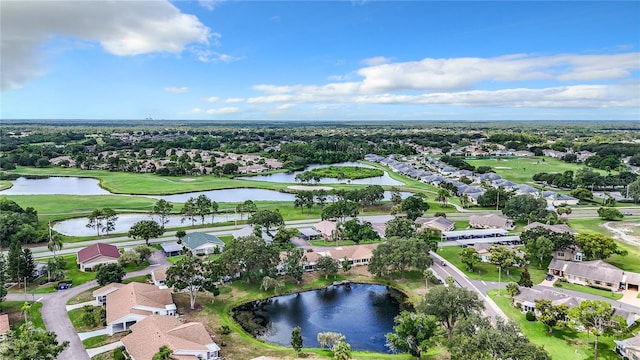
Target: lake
{"points": [[55, 185], [364, 313], [291, 177]]}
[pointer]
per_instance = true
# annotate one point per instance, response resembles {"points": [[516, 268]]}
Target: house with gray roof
{"points": [[490, 221], [556, 199], [595, 273], [202, 244], [526, 190], [438, 223], [629, 348]]}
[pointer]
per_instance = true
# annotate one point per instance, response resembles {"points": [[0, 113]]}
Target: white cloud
{"points": [[285, 106], [206, 55], [123, 28], [377, 60], [177, 90], [223, 111], [210, 4], [215, 99]]}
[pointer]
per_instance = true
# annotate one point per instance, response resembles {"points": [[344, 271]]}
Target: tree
{"points": [[328, 339], [414, 206], [539, 248], [609, 214], [15, 268], [494, 198], [634, 190], [551, 315], [189, 211], [357, 231], [267, 219], [203, 206], [450, 304], [341, 351], [513, 289], [560, 240], [164, 353], [251, 256], [400, 227], [129, 257], [429, 277], [504, 258], [96, 221], [3, 278], [31, 343], [162, 209], [109, 273], [296, 340], [469, 256], [146, 229], [28, 264], [55, 243], [398, 255], [476, 338], [340, 209], [110, 217], [413, 333], [597, 246], [326, 266], [246, 207], [294, 263], [194, 274], [525, 207], [269, 282], [346, 265], [582, 194], [443, 196], [396, 198], [144, 251], [597, 317], [525, 278]]}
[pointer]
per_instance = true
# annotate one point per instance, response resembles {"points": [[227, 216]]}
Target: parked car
{"points": [[626, 213], [549, 277]]}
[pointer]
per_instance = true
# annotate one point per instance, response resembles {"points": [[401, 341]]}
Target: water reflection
{"points": [[364, 314]]}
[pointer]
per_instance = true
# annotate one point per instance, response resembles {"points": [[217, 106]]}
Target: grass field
{"points": [[76, 317], [489, 272], [589, 290], [562, 344], [521, 170], [16, 318]]}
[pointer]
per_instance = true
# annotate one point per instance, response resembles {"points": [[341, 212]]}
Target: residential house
{"points": [[159, 277], [553, 153], [171, 249], [97, 254], [555, 199], [249, 230], [629, 348], [473, 234], [438, 223], [4, 326], [526, 190], [490, 221], [130, 303], [523, 153], [326, 229], [356, 255], [202, 244], [526, 299], [595, 273], [187, 340], [309, 234], [559, 228], [484, 253]]}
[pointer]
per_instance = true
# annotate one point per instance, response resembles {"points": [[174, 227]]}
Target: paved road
{"points": [[55, 315]]}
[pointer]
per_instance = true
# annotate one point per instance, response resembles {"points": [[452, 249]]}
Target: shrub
{"points": [[225, 330], [531, 316], [118, 355]]}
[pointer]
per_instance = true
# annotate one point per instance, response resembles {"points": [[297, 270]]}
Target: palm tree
{"points": [[443, 196], [164, 353], [55, 244]]}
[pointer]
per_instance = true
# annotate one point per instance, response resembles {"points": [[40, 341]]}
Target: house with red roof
{"points": [[97, 254]]}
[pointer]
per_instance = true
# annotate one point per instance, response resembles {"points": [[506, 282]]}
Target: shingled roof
{"points": [[91, 252]]}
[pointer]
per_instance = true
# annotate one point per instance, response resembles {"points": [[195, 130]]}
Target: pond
{"points": [[364, 313], [55, 185], [78, 226], [291, 177]]}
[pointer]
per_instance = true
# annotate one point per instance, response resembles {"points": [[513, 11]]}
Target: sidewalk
{"points": [[90, 334], [78, 306], [102, 349]]}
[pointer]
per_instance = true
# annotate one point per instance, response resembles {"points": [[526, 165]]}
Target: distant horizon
{"points": [[215, 60]]}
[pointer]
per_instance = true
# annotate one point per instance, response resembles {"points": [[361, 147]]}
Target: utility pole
{"points": [[499, 275]]}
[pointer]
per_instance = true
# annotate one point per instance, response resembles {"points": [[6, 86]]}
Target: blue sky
{"points": [[320, 60]]}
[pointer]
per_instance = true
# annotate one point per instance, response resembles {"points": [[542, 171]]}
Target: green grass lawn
{"points": [[589, 290], [16, 318], [562, 344], [96, 341], [489, 272], [76, 317], [521, 170]]}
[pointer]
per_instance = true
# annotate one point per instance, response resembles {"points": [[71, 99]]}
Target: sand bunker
{"points": [[503, 167], [309, 188], [625, 230], [188, 179]]}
